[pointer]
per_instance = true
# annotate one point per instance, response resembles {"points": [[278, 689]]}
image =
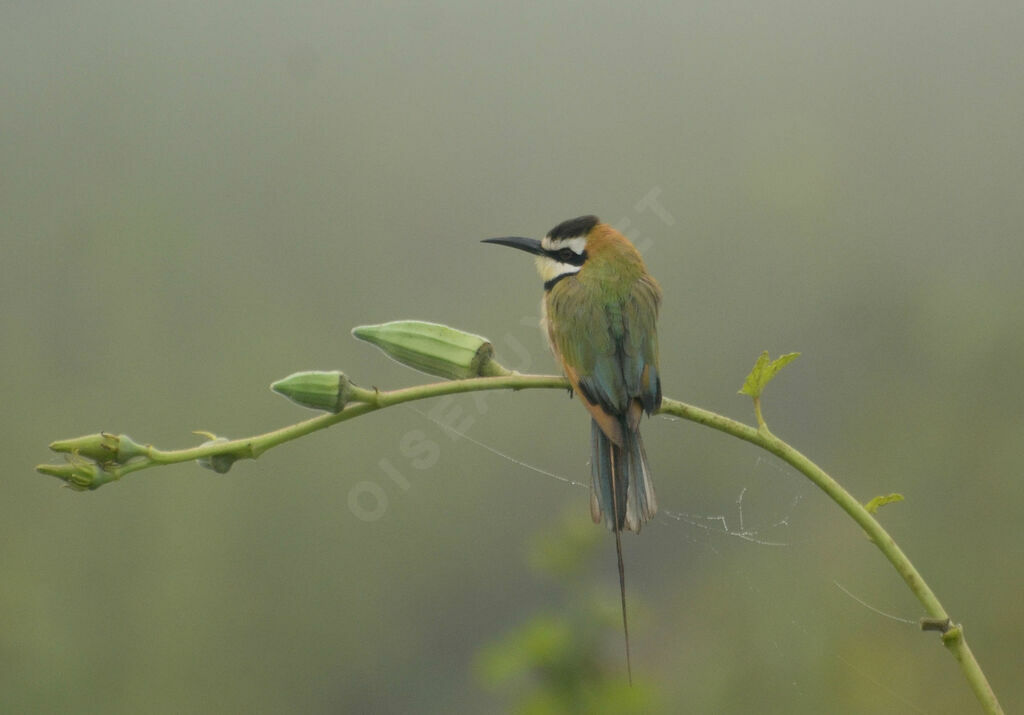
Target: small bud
{"points": [[127, 448], [219, 463], [100, 447], [433, 348], [78, 474], [315, 389], [103, 448]]}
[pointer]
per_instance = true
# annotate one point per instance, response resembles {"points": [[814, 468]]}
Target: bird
{"points": [[599, 313]]}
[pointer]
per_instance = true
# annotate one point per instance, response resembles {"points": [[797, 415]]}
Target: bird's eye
{"points": [[566, 254]]}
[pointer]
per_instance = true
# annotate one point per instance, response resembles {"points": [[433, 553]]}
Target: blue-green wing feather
{"points": [[610, 344], [640, 347]]}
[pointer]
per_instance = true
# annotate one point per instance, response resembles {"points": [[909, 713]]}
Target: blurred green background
{"points": [[197, 199]]}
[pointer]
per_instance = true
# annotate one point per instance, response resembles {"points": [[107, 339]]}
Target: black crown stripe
{"points": [[574, 227]]}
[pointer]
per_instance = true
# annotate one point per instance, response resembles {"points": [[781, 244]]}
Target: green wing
{"points": [[611, 345]]}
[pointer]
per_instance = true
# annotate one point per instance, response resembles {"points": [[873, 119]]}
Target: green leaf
{"points": [[875, 504], [763, 373]]}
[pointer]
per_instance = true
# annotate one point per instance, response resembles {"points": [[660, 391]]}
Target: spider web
{"points": [[735, 525]]}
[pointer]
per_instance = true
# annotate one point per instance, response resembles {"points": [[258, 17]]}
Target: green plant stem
{"points": [[372, 400], [952, 634], [366, 401]]}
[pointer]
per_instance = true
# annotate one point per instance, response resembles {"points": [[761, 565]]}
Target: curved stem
{"points": [[952, 634], [372, 400], [366, 401]]}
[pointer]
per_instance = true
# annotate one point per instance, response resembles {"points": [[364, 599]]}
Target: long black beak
{"points": [[530, 245]]}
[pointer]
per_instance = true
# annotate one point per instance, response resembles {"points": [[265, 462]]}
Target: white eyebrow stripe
{"points": [[576, 244], [550, 268]]}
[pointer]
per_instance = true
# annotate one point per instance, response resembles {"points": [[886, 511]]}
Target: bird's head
{"points": [[565, 250]]}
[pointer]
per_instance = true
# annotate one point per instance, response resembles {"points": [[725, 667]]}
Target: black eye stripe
{"points": [[567, 255]]}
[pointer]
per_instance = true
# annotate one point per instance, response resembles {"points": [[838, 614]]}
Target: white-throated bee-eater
{"points": [[600, 311]]}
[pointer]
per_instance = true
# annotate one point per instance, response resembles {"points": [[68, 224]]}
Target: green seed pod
{"points": [[433, 348], [315, 389]]}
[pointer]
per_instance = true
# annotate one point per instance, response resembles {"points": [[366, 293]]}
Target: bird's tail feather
{"points": [[625, 470]]}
